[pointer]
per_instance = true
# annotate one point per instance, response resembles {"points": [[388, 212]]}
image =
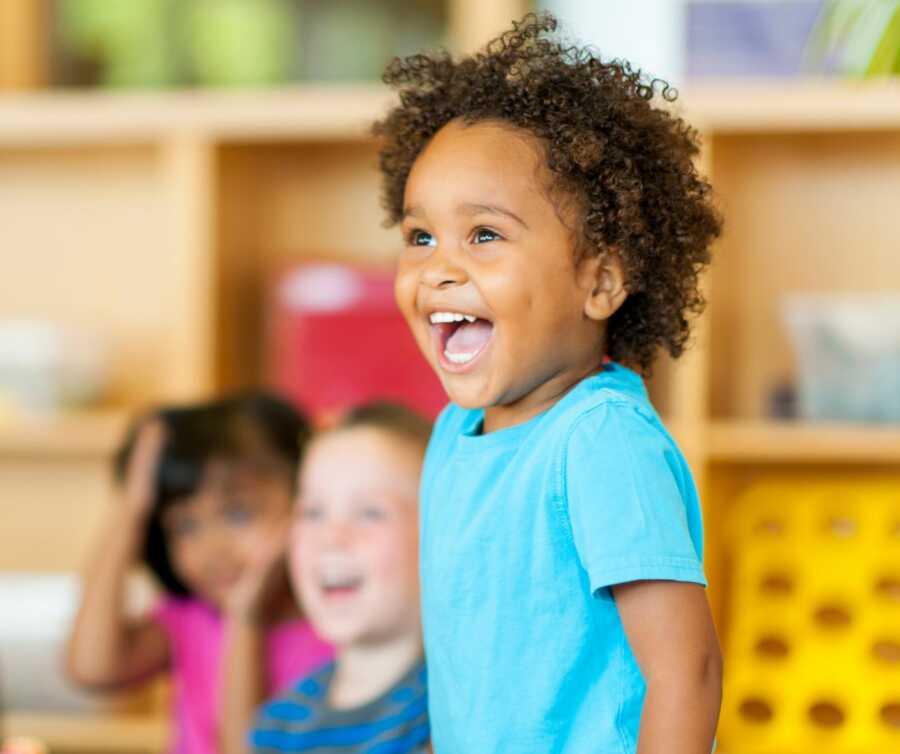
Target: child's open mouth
{"points": [[341, 586], [459, 338]]}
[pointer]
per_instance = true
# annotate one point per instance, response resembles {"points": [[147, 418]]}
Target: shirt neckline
{"points": [[352, 713], [471, 439]]}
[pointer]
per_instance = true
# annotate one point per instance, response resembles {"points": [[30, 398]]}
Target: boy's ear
{"points": [[603, 278]]}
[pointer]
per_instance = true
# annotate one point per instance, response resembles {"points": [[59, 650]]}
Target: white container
{"points": [[847, 353], [649, 34], [45, 367], [38, 610]]}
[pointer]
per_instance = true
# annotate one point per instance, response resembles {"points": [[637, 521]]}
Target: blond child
{"points": [[353, 561]]}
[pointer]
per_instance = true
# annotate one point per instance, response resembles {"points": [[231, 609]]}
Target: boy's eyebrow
{"points": [[491, 209], [470, 209]]}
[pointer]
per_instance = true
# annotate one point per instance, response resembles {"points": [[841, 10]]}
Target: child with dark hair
{"points": [[206, 495], [354, 562], [556, 229]]}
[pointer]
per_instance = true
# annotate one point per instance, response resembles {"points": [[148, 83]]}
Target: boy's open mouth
{"points": [[459, 338], [340, 586]]}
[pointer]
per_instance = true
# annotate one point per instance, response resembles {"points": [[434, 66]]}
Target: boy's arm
{"points": [[671, 632], [244, 678], [244, 657]]}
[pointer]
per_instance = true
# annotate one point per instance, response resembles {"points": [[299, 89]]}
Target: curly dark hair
{"points": [[628, 164]]}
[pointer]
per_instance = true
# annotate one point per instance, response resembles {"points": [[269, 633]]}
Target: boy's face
{"points": [[354, 548], [484, 240]]}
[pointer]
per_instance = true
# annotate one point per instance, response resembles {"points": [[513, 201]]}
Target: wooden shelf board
{"points": [[88, 433], [61, 118], [771, 441], [760, 106], [345, 112], [113, 733]]}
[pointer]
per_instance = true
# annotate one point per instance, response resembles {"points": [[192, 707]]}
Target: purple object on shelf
{"points": [[748, 38]]}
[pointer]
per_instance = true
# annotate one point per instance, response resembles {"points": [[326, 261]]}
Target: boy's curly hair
{"points": [[629, 165]]}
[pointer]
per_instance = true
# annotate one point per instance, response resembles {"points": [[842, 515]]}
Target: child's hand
{"points": [[140, 478], [263, 580]]}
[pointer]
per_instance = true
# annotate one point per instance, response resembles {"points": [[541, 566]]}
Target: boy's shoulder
{"points": [[299, 702], [297, 719], [612, 413], [615, 392]]}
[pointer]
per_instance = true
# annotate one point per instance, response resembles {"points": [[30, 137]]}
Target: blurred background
{"points": [[189, 204]]}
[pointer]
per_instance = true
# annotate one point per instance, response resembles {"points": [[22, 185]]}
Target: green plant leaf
{"points": [[887, 53], [834, 28]]}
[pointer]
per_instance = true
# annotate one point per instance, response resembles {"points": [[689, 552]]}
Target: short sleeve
{"points": [[631, 503]]}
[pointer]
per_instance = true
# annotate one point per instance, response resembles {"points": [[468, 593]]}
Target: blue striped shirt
{"points": [[301, 720]]}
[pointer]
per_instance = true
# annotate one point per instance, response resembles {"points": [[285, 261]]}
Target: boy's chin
{"points": [[340, 635], [465, 391]]}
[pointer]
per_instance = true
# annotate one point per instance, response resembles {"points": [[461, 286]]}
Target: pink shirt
{"points": [[195, 638]]}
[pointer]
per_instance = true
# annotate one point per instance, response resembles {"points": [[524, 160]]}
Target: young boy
{"points": [[555, 229], [353, 562]]}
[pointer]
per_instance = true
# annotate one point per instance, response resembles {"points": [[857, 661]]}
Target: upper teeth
{"points": [[332, 580], [438, 318]]}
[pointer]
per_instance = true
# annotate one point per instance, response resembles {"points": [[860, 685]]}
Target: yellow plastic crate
{"points": [[813, 650]]}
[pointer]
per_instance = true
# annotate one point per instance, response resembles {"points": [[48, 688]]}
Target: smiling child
{"points": [[353, 562], [555, 230]]}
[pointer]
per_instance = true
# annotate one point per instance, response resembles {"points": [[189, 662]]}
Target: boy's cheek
{"points": [[302, 558], [405, 292], [395, 560], [405, 295]]}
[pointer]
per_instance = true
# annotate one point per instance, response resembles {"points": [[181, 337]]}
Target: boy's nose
{"points": [[443, 270], [338, 534]]}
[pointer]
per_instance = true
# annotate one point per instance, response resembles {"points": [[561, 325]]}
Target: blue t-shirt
{"points": [[396, 722], [523, 532]]}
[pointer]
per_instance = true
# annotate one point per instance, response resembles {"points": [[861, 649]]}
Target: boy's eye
{"points": [[371, 513], [420, 238], [310, 513], [484, 235]]}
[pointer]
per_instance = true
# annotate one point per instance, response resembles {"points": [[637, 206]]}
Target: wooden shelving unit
{"points": [[789, 442], [749, 106], [303, 113], [157, 221], [85, 434]]}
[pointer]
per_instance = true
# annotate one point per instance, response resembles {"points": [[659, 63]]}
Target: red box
{"points": [[339, 340]]}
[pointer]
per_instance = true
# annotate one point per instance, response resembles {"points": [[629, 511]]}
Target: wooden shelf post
{"points": [[23, 44], [475, 22], [189, 165]]}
